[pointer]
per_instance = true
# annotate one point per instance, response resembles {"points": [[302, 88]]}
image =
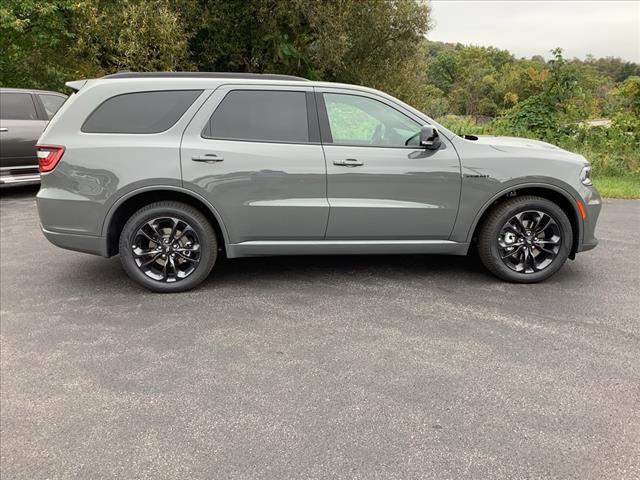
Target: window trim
{"points": [[142, 91], [325, 126], [311, 114]]}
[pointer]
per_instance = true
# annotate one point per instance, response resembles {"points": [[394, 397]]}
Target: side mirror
{"points": [[429, 138]]}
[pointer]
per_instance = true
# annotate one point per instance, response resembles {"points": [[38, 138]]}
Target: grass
{"points": [[618, 187]]}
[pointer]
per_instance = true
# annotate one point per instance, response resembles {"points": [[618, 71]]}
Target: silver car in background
{"points": [[172, 170], [24, 114]]}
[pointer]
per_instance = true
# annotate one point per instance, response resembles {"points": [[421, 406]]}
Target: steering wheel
{"points": [[378, 135]]}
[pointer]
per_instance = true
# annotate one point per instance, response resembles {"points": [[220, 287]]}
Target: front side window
{"points": [[261, 115], [17, 106], [140, 112], [357, 120], [52, 103]]}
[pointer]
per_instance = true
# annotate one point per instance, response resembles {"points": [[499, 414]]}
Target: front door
{"points": [[381, 185], [254, 152]]}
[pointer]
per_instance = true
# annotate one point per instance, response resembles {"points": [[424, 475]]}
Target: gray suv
{"points": [[23, 116], [174, 170]]}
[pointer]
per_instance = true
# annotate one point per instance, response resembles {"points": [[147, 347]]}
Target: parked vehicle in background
{"points": [[24, 114], [172, 170]]}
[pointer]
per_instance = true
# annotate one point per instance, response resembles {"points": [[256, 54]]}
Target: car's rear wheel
{"points": [[168, 247], [525, 239]]}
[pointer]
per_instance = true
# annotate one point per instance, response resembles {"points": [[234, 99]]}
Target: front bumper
{"points": [[585, 247], [593, 205]]}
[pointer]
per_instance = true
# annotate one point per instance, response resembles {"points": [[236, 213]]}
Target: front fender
{"points": [[475, 204]]}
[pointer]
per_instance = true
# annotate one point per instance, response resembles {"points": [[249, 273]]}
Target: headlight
{"points": [[585, 176]]}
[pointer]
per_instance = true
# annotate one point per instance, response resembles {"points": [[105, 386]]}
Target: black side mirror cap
{"points": [[429, 138]]}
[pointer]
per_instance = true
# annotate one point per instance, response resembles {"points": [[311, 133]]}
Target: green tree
{"points": [[135, 35], [566, 97], [48, 42], [36, 38], [469, 75], [627, 96], [520, 80], [615, 68], [372, 42]]}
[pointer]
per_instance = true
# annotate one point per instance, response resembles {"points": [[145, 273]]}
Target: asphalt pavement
{"points": [[319, 367]]}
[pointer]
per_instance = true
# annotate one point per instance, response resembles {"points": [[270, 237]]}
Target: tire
{"points": [[174, 266], [545, 254]]}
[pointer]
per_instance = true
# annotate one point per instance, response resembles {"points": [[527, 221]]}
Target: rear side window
{"points": [[52, 103], [140, 112], [261, 115], [17, 106]]}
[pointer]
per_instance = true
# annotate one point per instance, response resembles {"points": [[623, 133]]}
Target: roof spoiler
{"points": [[76, 84]]}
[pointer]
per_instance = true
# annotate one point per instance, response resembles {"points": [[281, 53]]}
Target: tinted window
{"points": [[357, 120], [17, 106], [52, 103], [141, 112], [265, 115]]}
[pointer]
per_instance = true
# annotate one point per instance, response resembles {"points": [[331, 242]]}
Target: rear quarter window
{"points": [[140, 112]]}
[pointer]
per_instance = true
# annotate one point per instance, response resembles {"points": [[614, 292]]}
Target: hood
{"points": [[500, 142], [527, 147]]}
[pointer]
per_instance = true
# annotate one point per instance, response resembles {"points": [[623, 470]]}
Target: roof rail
{"points": [[254, 76]]}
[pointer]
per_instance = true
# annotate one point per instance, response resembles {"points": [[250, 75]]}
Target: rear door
{"points": [[254, 152], [381, 185], [20, 128]]}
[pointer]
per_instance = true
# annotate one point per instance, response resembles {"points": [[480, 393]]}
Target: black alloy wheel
{"points": [[529, 241], [168, 247], [525, 239]]}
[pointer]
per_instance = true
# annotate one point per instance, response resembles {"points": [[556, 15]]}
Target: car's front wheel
{"points": [[168, 247], [525, 239]]}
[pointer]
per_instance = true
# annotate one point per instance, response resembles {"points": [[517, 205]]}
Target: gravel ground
{"points": [[319, 367]]}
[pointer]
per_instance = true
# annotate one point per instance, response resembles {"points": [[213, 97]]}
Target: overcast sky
{"points": [[602, 28]]}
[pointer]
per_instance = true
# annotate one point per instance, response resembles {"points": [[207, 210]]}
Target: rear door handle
{"points": [[348, 162], [208, 158], [3, 129]]}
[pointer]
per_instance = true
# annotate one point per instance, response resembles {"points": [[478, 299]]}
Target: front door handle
{"points": [[348, 162], [208, 158], [3, 129]]}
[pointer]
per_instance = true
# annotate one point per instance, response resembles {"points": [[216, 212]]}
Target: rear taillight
{"points": [[48, 157]]}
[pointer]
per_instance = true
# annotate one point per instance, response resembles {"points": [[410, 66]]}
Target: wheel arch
{"points": [[122, 210], [558, 195]]}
